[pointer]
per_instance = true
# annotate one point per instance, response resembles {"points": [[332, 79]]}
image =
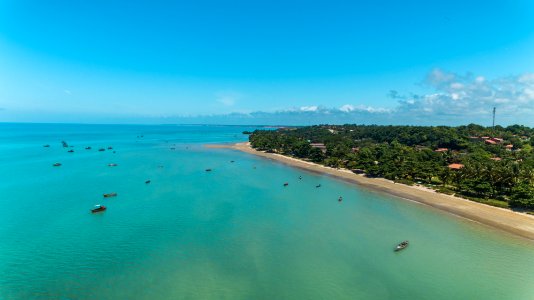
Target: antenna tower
{"points": [[493, 125]]}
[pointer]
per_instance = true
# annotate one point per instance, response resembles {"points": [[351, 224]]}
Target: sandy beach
{"points": [[507, 220]]}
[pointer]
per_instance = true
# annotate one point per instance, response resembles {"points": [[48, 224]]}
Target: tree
{"points": [[522, 196]]}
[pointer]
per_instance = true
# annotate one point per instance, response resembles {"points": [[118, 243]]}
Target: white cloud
{"points": [[346, 108], [454, 99], [469, 96], [228, 101], [227, 98], [309, 108], [456, 85]]}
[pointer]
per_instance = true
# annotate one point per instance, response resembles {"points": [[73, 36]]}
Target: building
{"points": [[319, 146], [455, 166], [490, 142], [441, 150], [332, 131]]}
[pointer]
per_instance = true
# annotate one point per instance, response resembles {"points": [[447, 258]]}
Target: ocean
{"points": [[232, 233]]}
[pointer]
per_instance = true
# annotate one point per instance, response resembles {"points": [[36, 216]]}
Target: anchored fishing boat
{"points": [[401, 246], [98, 208]]}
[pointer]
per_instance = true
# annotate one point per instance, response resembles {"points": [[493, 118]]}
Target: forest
{"points": [[492, 165]]}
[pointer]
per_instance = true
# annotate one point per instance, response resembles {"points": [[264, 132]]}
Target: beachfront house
{"points": [[319, 146]]}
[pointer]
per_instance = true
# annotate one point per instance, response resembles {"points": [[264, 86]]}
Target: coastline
{"points": [[519, 224]]}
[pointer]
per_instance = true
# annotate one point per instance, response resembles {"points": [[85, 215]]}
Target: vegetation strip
{"points": [[492, 165]]}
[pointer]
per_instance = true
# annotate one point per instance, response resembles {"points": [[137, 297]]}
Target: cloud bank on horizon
{"points": [[451, 99], [454, 99]]}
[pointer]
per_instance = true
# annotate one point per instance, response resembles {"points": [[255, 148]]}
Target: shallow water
{"points": [[233, 233]]}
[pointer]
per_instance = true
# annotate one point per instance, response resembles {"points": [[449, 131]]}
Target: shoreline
{"points": [[519, 224]]}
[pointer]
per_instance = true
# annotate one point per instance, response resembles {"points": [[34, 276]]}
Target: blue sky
{"points": [[283, 62]]}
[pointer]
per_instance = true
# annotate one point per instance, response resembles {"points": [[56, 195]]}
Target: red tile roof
{"points": [[456, 166]]}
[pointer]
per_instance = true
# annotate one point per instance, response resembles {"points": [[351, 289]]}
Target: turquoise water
{"points": [[233, 233]]}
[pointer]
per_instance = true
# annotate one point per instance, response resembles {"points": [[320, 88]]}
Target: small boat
{"points": [[147, 182], [56, 165], [70, 151], [110, 195], [401, 246], [300, 177], [65, 145], [46, 146], [98, 208], [286, 184], [340, 199], [173, 148], [101, 149], [87, 148], [208, 170], [110, 148], [112, 165], [318, 186], [231, 161]]}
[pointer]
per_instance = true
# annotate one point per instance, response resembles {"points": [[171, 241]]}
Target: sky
{"points": [[267, 62]]}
